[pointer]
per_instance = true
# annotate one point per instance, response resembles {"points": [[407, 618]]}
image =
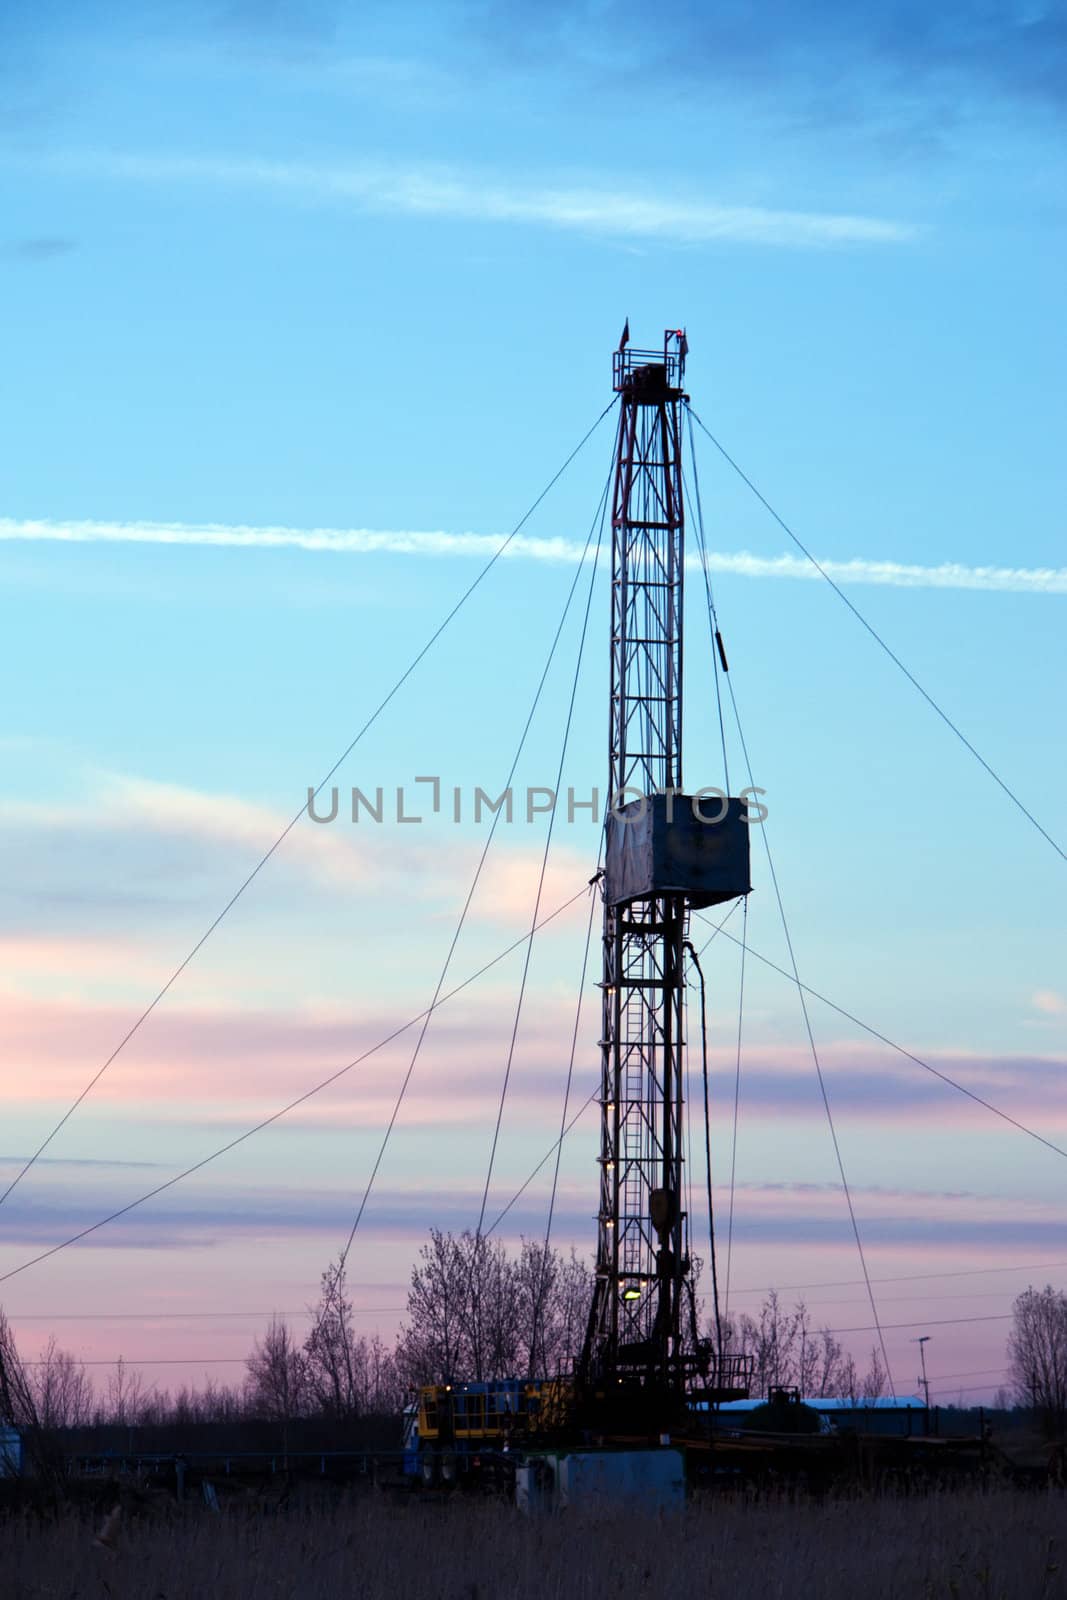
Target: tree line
{"points": [[788, 1351], [477, 1310], [473, 1310]]}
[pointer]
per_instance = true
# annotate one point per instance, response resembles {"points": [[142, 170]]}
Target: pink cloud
{"points": [[26, 959], [341, 856], [211, 1057], [200, 1061]]}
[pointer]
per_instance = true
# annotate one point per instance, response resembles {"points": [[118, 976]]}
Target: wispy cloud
{"points": [[207, 1217], [474, 196], [210, 1214], [102, 893], [164, 830], [36, 249], [371, 541], [222, 1068], [226, 1063]]}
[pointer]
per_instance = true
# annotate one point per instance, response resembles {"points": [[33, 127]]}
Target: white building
{"points": [[890, 1414]]}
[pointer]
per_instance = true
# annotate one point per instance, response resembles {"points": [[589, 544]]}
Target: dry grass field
{"points": [[1003, 1545]]}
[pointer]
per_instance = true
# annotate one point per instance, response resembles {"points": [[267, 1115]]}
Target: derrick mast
{"points": [[666, 853]]}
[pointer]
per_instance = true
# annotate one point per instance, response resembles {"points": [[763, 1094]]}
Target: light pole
{"points": [[922, 1342]]}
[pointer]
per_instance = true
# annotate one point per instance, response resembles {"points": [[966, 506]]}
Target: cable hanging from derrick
{"points": [[601, 516], [879, 640], [883, 1038], [292, 1105], [720, 928], [689, 1171], [520, 746], [718, 654], [537, 1331], [737, 1108], [313, 795], [695, 958], [716, 644], [462, 919], [718, 661]]}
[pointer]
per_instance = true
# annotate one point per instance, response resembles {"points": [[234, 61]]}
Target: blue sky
{"points": [[339, 273]]}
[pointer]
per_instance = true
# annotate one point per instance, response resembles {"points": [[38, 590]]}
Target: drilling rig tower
{"points": [[667, 852]]}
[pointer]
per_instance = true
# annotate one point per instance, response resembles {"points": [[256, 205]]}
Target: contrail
{"points": [[433, 190], [372, 541]]}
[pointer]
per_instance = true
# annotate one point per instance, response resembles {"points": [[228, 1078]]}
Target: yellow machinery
{"points": [[476, 1414]]}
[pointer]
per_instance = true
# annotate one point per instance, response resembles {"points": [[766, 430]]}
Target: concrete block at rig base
{"points": [[678, 844], [594, 1481], [535, 1484]]}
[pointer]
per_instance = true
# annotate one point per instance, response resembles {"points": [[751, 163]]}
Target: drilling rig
{"points": [[668, 852]]}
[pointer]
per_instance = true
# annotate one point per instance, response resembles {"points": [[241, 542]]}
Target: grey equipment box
{"points": [[648, 1482], [650, 854]]}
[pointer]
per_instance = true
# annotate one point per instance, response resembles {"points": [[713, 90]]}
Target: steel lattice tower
{"points": [[660, 861]]}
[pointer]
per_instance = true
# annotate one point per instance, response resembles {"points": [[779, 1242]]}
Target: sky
{"points": [[304, 306]]}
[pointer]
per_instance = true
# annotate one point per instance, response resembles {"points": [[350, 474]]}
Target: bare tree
{"points": [[789, 1351], [1037, 1353], [771, 1339], [62, 1391], [828, 1365], [222, 1402], [433, 1345], [18, 1405], [498, 1330], [154, 1405], [127, 1401], [383, 1389], [476, 1312], [184, 1406], [17, 1402], [554, 1292], [332, 1354], [277, 1382], [875, 1379], [345, 1375], [848, 1382], [574, 1297]]}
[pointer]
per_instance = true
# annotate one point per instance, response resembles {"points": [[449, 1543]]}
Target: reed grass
{"points": [[997, 1545]]}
